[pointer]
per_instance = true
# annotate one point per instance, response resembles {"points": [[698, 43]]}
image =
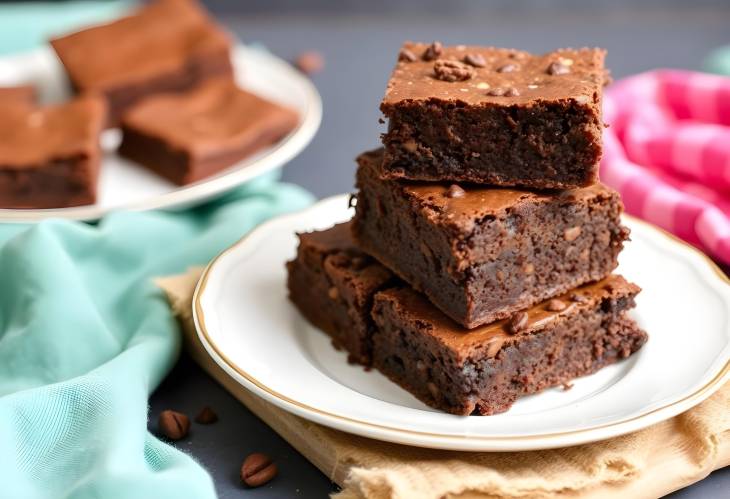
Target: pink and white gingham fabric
{"points": [[667, 151]]}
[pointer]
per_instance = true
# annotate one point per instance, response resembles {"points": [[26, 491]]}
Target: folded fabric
{"points": [[667, 151], [85, 337]]}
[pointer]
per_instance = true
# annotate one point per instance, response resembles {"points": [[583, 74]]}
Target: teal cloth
{"points": [[85, 336]]}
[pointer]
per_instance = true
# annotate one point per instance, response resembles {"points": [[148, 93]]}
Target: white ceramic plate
{"points": [[248, 326], [126, 185]]}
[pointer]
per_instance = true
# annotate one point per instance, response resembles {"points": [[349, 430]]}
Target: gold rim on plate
{"points": [[698, 395]]}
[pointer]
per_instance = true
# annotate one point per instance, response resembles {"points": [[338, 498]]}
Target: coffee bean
{"points": [[452, 71], [257, 469], [454, 191], [508, 68], [496, 92], [407, 56], [206, 416], [476, 60], [557, 68], [174, 425], [309, 62], [433, 51], [577, 298], [556, 305], [517, 323], [511, 92]]}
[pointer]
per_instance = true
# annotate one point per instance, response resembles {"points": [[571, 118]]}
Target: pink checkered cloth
{"points": [[667, 151]]}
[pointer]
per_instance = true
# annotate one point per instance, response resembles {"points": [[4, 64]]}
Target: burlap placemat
{"points": [[648, 463]]}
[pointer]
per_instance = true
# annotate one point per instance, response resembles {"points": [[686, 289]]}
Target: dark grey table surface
{"points": [[359, 52]]}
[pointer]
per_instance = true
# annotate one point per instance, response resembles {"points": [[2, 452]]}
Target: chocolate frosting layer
{"points": [[32, 137], [580, 76]]}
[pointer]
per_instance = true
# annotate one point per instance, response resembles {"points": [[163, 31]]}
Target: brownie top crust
{"points": [[211, 117], [336, 238], [20, 95], [487, 75], [488, 340], [157, 38], [31, 137], [462, 207]]}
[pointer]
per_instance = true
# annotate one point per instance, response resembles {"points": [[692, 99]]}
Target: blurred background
{"points": [[359, 41]]}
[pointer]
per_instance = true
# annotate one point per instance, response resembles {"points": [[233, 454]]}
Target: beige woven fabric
{"points": [[648, 463]]}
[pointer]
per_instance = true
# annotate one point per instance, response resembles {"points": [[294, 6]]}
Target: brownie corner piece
{"points": [[484, 371], [332, 283], [481, 253], [495, 116], [188, 136], [51, 155]]}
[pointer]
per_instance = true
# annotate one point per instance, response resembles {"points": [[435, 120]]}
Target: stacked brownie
{"points": [[477, 268]]}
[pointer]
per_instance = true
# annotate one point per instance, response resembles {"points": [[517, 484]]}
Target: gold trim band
{"points": [[199, 317]]}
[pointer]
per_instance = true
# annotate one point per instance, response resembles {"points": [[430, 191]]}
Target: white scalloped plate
{"points": [[249, 328], [126, 185]]}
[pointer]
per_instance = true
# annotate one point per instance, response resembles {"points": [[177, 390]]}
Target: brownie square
{"points": [[480, 253], [167, 45], [333, 284], [188, 136], [494, 116], [483, 371], [49, 157]]}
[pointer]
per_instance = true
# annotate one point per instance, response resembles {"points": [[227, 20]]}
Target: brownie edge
{"points": [[332, 283], [484, 371]]}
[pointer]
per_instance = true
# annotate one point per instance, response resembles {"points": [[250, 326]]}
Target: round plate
{"points": [[125, 185], [249, 327]]}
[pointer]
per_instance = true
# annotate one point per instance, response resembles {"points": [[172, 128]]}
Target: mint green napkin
{"points": [[85, 336]]}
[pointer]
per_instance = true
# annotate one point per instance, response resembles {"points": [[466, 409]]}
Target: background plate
{"points": [[126, 185], [248, 326]]}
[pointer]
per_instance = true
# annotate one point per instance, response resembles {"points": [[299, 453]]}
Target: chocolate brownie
{"points": [[483, 371], [494, 116], [333, 284], [23, 95], [49, 157], [481, 253], [188, 136], [167, 45]]}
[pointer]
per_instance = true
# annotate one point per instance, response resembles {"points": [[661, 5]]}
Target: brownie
{"points": [[333, 284], [167, 45], [49, 157], [483, 371], [480, 253], [22, 94], [494, 116], [188, 136]]}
